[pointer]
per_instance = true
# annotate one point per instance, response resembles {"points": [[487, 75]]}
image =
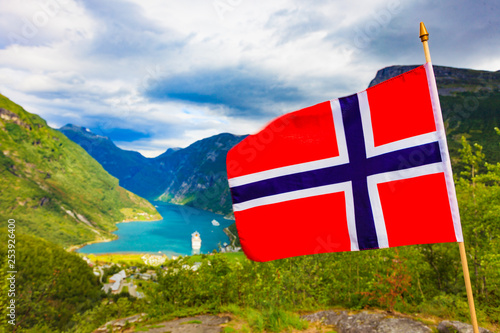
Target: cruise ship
{"points": [[196, 240]]}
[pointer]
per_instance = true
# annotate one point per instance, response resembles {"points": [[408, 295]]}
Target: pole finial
{"points": [[424, 35]]}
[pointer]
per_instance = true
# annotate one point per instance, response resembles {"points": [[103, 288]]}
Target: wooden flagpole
{"points": [[424, 37], [468, 287]]}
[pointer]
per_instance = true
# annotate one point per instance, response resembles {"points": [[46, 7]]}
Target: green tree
{"points": [[51, 284], [478, 191]]}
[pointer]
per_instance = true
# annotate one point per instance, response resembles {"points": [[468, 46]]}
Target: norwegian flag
{"points": [[366, 171]]}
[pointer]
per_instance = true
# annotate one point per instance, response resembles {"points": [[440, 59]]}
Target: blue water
{"points": [[171, 236]]}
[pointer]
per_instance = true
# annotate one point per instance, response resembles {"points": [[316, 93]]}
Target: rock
{"points": [[365, 322], [447, 326], [12, 117], [43, 201], [209, 324], [362, 322], [326, 317], [198, 324], [395, 325], [117, 324]]}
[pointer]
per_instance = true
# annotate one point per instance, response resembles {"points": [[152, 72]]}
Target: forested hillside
{"points": [[470, 101], [51, 285], [53, 188], [194, 176]]}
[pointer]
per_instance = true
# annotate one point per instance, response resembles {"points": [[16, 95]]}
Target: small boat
{"points": [[195, 240], [215, 223]]}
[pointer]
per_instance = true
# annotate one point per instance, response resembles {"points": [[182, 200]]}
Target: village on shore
{"points": [[136, 269]]}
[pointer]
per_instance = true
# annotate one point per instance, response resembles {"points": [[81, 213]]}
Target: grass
{"points": [[268, 320], [138, 215], [235, 256], [232, 257], [134, 259], [118, 258]]}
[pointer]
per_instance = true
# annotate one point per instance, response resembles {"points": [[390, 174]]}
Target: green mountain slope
{"points": [[194, 176], [198, 174], [51, 284], [53, 188], [122, 164]]}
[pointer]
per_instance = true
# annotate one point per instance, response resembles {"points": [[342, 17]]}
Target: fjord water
{"points": [[171, 236]]}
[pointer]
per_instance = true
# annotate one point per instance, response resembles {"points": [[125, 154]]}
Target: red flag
{"points": [[366, 171]]}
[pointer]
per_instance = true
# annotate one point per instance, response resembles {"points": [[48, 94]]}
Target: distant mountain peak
{"points": [[82, 130], [449, 79]]}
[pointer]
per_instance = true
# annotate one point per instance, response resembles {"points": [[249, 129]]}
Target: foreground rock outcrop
{"points": [[458, 327], [197, 324], [365, 322]]}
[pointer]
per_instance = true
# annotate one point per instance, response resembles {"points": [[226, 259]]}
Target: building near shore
{"points": [[118, 277]]}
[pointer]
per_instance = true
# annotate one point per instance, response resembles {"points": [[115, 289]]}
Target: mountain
{"points": [[470, 101], [122, 164], [53, 188], [195, 175]]}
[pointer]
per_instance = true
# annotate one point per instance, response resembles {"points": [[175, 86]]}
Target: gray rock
{"points": [[362, 322], [119, 323], [209, 324], [326, 317], [396, 325], [365, 322], [198, 324], [447, 326]]}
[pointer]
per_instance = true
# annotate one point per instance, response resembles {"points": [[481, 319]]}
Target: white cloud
{"points": [[92, 62]]}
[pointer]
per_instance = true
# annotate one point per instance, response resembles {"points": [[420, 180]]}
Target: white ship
{"points": [[215, 223], [196, 240]]}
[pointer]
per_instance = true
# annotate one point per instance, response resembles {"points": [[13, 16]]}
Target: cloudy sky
{"points": [[154, 74]]}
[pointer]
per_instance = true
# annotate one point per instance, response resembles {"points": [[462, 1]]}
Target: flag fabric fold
{"points": [[366, 171]]}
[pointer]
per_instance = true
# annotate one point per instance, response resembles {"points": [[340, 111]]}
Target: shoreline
{"points": [[130, 253], [129, 221], [230, 235], [74, 248]]}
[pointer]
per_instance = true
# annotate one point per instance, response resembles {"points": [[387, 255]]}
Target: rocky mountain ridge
{"points": [[448, 79]]}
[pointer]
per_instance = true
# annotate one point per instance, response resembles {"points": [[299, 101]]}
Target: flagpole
{"points": [[468, 286], [424, 37]]}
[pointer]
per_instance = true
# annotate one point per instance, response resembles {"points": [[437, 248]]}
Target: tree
{"points": [[478, 189]]}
